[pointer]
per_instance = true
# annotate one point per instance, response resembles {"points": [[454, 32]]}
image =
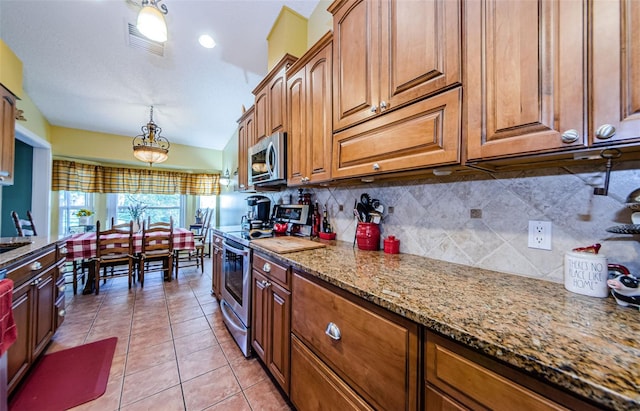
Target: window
{"points": [[207, 202], [157, 207], [70, 203]]}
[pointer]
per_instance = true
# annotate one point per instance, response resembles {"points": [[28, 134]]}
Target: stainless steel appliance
{"points": [[267, 161], [235, 304], [258, 210]]}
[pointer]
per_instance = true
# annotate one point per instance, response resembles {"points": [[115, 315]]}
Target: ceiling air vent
{"points": [[138, 41]]}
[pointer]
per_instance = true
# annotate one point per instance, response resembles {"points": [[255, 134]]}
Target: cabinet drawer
{"points": [[272, 270], [476, 386], [315, 387], [29, 267], [376, 352], [216, 240]]}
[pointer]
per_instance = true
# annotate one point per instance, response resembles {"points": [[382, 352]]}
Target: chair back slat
{"points": [[157, 237], [111, 242], [24, 228]]}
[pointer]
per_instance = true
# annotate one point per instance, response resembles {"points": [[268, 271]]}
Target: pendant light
{"points": [[149, 146]]}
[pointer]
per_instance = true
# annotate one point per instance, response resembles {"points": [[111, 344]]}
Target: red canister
{"points": [[391, 245], [368, 236]]}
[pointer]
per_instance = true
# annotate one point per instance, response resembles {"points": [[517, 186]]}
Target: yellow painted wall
{"points": [[10, 70], [35, 121], [320, 21], [110, 148], [288, 35]]}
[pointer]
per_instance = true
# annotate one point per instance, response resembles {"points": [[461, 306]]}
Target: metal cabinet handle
{"points": [[605, 132], [383, 105], [36, 282], [374, 109], [61, 288], [570, 136], [333, 331], [266, 268], [376, 166], [36, 266], [62, 312], [63, 250], [265, 283], [217, 240]]}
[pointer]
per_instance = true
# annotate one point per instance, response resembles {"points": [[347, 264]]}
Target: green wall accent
{"points": [[18, 196]]}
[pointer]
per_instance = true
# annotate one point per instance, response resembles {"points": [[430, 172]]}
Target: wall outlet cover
{"points": [[540, 234]]}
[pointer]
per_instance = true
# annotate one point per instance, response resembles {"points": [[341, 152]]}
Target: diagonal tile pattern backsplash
{"points": [[432, 217]]}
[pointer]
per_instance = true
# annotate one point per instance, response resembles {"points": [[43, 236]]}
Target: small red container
{"points": [[391, 245], [368, 236]]}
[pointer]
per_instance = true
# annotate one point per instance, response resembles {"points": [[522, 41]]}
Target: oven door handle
{"points": [[226, 246], [231, 317]]}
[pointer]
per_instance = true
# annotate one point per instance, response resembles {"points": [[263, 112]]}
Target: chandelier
{"points": [[149, 146], [151, 21]]}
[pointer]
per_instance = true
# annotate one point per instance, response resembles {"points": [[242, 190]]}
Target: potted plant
{"points": [[84, 215], [136, 212]]}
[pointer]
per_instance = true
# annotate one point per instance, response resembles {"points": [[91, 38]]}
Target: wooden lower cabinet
{"points": [[216, 272], [369, 349], [315, 386], [271, 317], [458, 378], [34, 311]]}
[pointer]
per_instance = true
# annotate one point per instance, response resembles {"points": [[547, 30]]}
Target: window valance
{"points": [[74, 176]]}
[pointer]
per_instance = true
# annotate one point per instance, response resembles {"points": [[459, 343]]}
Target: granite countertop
{"points": [[35, 245], [589, 346]]}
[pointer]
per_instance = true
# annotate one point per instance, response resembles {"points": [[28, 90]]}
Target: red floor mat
{"points": [[66, 378]]}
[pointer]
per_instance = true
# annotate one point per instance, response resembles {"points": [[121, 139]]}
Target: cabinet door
{"points": [[421, 49], [19, 355], [525, 82], [280, 334], [356, 62], [616, 70], [7, 136], [246, 138], [297, 130], [259, 315], [44, 319], [319, 124], [261, 113], [277, 106]]}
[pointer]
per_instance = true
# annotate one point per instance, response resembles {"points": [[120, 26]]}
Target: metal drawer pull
{"points": [[36, 282], [383, 105], [62, 312], [605, 131], [266, 267], [333, 331], [376, 166], [63, 250], [36, 266], [265, 283], [61, 288], [570, 136], [374, 109]]}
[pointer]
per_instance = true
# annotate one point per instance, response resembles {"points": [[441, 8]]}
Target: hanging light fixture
{"points": [[149, 146], [151, 21]]}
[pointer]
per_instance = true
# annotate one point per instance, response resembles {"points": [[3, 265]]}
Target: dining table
{"points": [[81, 247]]}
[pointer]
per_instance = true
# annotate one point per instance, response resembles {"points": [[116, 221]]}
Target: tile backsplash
{"points": [[432, 217]]}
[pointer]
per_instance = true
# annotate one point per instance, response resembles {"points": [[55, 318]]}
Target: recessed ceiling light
{"points": [[206, 41]]}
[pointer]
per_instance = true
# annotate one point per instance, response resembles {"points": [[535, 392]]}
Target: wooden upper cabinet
{"points": [[309, 94], [616, 71], [7, 135], [270, 100], [525, 78], [390, 53], [246, 138]]}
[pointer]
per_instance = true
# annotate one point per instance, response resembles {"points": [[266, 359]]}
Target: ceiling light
{"points": [[206, 41], [149, 146], [226, 178], [151, 21]]}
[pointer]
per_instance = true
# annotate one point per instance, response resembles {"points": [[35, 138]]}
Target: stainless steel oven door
{"points": [[236, 279]]}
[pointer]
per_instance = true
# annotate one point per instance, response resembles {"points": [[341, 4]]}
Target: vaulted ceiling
{"points": [[81, 72]]}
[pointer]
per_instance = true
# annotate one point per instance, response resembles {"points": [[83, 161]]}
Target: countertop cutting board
{"points": [[288, 244]]}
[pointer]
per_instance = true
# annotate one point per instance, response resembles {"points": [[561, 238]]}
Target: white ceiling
{"points": [[81, 73]]}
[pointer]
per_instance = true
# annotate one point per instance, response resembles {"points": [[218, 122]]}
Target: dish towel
{"points": [[8, 330]]}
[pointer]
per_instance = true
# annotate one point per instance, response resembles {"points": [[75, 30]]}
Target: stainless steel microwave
{"points": [[267, 161]]}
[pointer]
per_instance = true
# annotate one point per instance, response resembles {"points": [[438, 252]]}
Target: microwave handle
{"points": [[268, 157]]}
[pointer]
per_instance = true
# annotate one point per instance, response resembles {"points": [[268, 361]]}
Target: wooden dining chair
{"points": [[192, 258], [24, 228], [114, 247], [157, 245]]}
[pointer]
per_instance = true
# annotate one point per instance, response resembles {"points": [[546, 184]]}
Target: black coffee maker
{"points": [[258, 212]]}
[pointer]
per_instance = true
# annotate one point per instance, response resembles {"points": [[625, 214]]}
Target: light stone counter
{"points": [[589, 346], [37, 243]]}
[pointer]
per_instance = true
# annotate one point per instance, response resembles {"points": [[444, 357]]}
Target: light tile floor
{"points": [[173, 352]]}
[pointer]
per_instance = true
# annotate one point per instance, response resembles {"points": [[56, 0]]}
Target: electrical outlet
{"points": [[540, 234]]}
